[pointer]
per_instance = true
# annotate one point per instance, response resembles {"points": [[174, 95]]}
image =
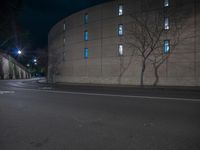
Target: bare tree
{"points": [[143, 36], [176, 36], [158, 57], [146, 35]]}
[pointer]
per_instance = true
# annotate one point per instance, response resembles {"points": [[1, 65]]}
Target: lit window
{"points": [[64, 26], [86, 35], [166, 3], [120, 29], [86, 53], [120, 50], [166, 23], [166, 46], [120, 10], [64, 40], [86, 18]]}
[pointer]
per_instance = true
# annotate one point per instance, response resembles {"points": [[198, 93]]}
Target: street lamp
{"points": [[19, 52], [35, 60]]}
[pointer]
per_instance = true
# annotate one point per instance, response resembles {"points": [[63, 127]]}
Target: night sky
{"points": [[38, 16]]}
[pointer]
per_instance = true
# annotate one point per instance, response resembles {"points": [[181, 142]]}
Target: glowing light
{"points": [[120, 50], [120, 10], [166, 46], [86, 53], [19, 52], [166, 3]]}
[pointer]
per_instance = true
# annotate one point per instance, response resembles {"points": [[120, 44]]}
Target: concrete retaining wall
{"points": [[11, 69]]}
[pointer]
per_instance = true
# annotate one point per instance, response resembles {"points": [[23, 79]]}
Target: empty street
{"points": [[35, 115]]}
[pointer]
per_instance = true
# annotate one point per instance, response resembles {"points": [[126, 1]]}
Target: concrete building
{"points": [[11, 69], [91, 46]]}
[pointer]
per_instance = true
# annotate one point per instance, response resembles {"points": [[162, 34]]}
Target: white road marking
{"points": [[6, 92], [46, 88], [114, 95]]}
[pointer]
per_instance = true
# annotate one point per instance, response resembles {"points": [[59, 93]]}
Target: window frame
{"points": [[64, 26], [120, 7], [120, 51], [86, 18], [86, 52], [166, 3], [166, 23], [166, 44], [86, 35], [120, 33]]}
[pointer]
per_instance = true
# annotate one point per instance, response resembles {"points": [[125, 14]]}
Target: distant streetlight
{"points": [[19, 52], [35, 60]]}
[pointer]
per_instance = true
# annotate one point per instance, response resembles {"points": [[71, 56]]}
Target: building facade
{"points": [[93, 45]]}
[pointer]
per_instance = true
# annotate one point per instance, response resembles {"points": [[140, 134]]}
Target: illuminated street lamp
{"points": [[19, 52], [35, 60]]}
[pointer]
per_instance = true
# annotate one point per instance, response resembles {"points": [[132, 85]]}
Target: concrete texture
{"points": [[36, 119], [11, 69], [104, 65]]}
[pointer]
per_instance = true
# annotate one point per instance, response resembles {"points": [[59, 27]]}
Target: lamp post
{"points": [[35, 61]]}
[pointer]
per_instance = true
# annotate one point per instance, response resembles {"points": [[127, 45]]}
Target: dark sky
{"points": [[38, 16]]}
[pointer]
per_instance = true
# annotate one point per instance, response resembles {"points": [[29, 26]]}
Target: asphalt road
{"points": [[37, 116]]}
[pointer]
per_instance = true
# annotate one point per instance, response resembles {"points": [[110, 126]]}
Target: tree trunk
{"points": [[156, 76], [142, 73]]}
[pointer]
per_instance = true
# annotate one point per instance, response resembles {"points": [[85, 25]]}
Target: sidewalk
{"points": [[160, 91], [145, 87], [163, 91]]}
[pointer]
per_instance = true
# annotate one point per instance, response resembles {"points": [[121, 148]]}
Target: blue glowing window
{"points": [[86, 18], [166, 46], [86, 53], [86, 35], [120, 29]]}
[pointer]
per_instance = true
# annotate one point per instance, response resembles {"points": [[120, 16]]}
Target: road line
{"points": [[114, 95], [6, 92]]}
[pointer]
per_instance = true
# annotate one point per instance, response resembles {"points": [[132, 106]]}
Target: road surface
{"points": [[37, 116]]}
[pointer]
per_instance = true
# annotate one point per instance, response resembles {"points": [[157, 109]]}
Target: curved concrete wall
{"points": [[104, 65]]}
